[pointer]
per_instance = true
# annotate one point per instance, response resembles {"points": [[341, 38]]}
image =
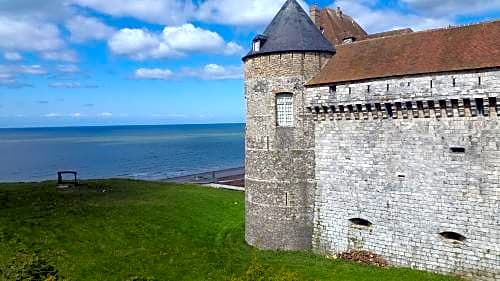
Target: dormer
{"points": [[257, 42]]}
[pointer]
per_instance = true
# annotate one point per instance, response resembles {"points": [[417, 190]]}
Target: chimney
{"points": [[314, 13]]}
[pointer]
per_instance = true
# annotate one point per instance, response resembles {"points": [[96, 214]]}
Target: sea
{"points": [[137, 152]]}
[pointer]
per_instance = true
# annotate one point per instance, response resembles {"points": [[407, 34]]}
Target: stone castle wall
{"points": [[279, 161], [403, 165]]}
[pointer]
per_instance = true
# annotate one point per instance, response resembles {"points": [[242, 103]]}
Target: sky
{"points": [[131, 62]]}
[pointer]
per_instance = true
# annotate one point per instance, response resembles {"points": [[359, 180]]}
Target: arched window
{"points": [[284, 110]]}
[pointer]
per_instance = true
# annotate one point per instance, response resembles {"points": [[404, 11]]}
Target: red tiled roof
{"points": [[441, 50], [338, 26], [390, 33]]}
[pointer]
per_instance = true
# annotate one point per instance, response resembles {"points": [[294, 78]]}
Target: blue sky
{"points": [[94, 62]]}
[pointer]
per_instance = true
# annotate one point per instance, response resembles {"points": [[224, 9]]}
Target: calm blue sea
{"points": [[140, 152]]}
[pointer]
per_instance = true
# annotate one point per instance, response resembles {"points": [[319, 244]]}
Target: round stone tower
{"points": [[279, 130]]}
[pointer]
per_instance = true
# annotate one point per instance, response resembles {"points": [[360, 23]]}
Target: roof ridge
{"points": [[424, 31]]}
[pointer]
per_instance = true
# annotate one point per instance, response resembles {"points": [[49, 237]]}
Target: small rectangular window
{"points": [[388, 87], [350, 90], [479, 81], [454, 82], [432, 84], [480, 107], [368, 88], [333, 89], [284, 110], [256, 46]]}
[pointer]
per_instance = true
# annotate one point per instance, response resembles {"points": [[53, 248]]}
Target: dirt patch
{"points": [[364, 257]]}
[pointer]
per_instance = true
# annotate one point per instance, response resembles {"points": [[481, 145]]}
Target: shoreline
{"points": [[231, 176]]}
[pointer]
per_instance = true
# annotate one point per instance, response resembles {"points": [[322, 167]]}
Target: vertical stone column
{"points": [[279, 171]]}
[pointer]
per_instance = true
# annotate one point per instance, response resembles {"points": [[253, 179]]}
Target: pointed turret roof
{"points": [[291, 30]]}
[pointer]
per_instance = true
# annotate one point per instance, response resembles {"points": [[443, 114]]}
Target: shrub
{"points": [[30, 267]]}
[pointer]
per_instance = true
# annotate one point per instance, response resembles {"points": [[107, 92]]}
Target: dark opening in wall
{"points": [[350, 108], [310, 109], [387, 87], [369, 107], [317, 109], [399, 106], [409, 84], [378, 107], [453, 236], [492, 102], [479, 81], [480, 106], [368, 88], [467, 103], [325, 109], [432, 84], [341, 108], [360, 222], [350, 90], [454, 82], [454, 104], [409, 105], [420, 105], [457, 149], [333, 109], [442, 104], [388, 107], [359, 107], [431, 104], [333, 89]]}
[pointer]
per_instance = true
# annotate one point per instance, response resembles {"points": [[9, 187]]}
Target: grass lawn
{"points": [[116, 229]]}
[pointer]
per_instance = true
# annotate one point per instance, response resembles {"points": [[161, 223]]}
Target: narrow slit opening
{"points": [[457, 149], [457, 237], [388, 107], [360, 222], [480, 107]]}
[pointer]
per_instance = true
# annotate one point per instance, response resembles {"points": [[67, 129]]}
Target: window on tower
{"points": [[284, 110], [256, 46]]}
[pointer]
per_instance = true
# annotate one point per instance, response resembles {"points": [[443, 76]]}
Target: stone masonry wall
{"points": [[404, 166], [279, 161]]}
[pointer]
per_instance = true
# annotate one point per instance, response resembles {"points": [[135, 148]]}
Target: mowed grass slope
{"points": [[116, 229]]}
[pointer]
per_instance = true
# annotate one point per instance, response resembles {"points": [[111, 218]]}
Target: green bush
{"points": [[29, 267], [257, 272]]}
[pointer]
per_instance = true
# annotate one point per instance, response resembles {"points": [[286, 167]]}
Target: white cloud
{"points": [[451, 8], [61, 55], [207, 72], [154, 74], [12, 56], [105, 114], [379, 20], [52, 115], [152, 11], [77, 115], [242, 12], [68, 68], [28, 35], [215, 72], [84, 29], [141, 44], [70, 85]]}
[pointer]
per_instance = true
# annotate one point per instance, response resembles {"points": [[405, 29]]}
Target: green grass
{"points": [[116, 229]]}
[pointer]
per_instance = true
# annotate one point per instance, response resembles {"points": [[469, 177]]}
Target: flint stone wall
{"points": [[397, 166], [279, 161]]}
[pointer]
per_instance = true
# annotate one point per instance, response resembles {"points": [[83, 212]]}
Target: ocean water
{"points": [[139, 152]]}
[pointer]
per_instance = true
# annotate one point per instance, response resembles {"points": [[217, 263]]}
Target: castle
{"points": [[387, 142]]}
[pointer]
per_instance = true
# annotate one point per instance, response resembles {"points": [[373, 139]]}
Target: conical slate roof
{"points": [[291, 30]]}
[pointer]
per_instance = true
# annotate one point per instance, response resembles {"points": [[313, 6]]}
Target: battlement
{"points": [[466, 107], [449, 95]]}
